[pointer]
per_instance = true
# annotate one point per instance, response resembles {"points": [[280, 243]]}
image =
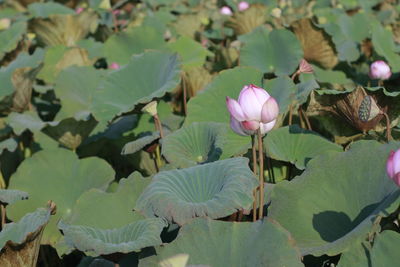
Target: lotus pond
{"points": [[173, 133]]}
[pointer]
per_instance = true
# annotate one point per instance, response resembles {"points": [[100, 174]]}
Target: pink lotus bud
{"points": [[243, 5], [393, 166], [379, 70], [116, 12], [79, 10], [225, 10], [254, 109], [114, 66], [305, 67]]}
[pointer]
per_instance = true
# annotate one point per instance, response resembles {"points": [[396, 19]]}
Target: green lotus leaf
{"points": [[131, 237], [9, 144], [24, 60], [45, 10], [148, 75], [17, 232], [385, 46], [96, 208], [76, 87], [283, 90], [215, 190], [199, 142], [28, 120], [49, 175], [140, 143], [10, 38], [191, 52], [276, 51], [60, 57], [330, 76], [216, 243], [11, 196], [121, 46], [336, 199], [297, 145]]}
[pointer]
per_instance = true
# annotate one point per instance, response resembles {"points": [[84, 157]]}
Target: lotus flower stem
{"points": [[158, 125], [254, 156], [184, 89], [388, 129], [303, 115], [261, 174], [3, 216]]}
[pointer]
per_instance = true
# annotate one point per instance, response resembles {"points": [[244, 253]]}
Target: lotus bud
{"points": [[255, 109], [305, 67], [114, 66], [151, 108], [393, 166], [79, 10], [379, 70], [225, 10], [243, 5]]}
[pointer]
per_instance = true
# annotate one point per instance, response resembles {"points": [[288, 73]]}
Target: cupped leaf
{"points": [[214, 190], [10, 38], [99, 209], [129, 238], [121, 46], [48, 175], [297, 145], [10, 196], [195, 144], [277, 51], [140, 143], [216, 243], [149, 75], [336, 199]]}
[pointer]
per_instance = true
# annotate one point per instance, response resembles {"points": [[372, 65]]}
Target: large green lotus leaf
{"points": [[11, 196], [356, 256], [330, 76], [10, 38], [384, 45], [44, 10], [24, 60], [217, 243], [283, 90], [147, 76], [297, 145], [76, 87], [56, 175], [129, 238], [17, 232], [191, 52], [9, 144], [199, 142], [277, 51], [96, 208], [336, 199], [28, 120], [215, 190], [60, 57], [121, 46]]}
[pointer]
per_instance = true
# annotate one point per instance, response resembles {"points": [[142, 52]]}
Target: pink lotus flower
{"points": [[225, 10], [243, 5], [255, 109], [114, 66], [79, 10], [393, 166], [379, 70], [305, 67]]}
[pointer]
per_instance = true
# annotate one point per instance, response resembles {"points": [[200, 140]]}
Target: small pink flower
{"points": [[393, 166], [243, 5], [379, 70], [116, 12], [305, 67], [114, 66], [225, 10], [79, 10], [255, 109]]}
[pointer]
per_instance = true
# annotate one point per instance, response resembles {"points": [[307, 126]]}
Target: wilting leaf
{"points": [[214, 190], [277, 51], [296, 145], [129, 238], [48, 175], [216, 243], [336, 199]]}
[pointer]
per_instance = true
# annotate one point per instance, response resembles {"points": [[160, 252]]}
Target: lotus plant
{"points": [[393, 166], [379, 70], [255, 111]]}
